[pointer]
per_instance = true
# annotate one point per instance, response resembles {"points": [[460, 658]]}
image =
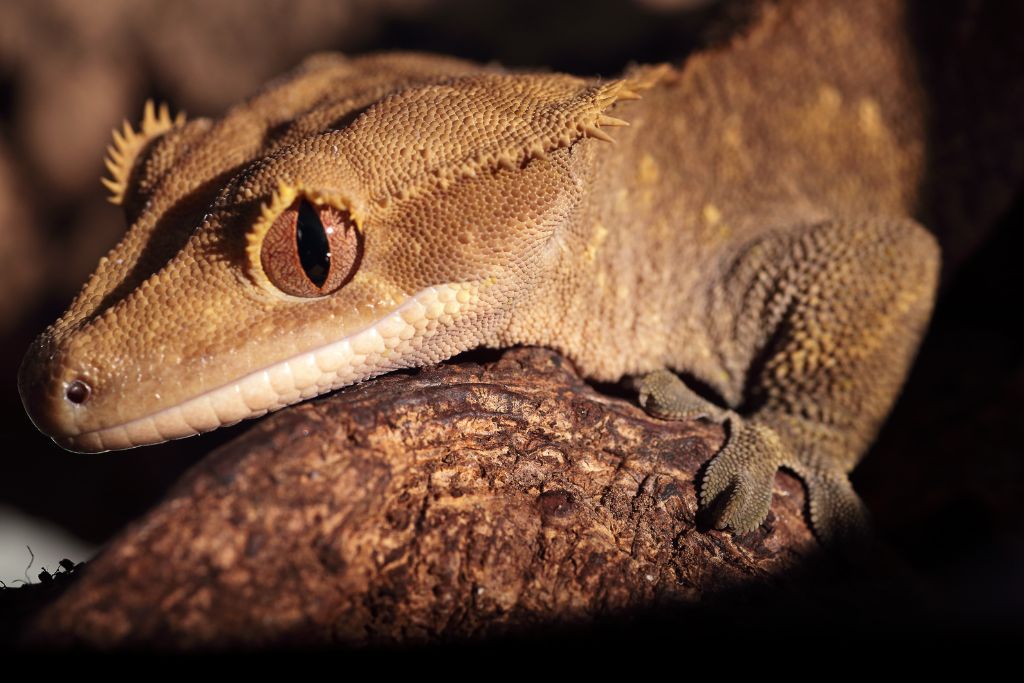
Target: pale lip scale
{"points": [[372, 351]]}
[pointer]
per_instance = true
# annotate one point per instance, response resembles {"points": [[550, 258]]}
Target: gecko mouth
{"points": [[393, 342]]}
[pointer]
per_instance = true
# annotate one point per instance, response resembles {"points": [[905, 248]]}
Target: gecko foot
{"points": [[738, 484], [736, 490]]}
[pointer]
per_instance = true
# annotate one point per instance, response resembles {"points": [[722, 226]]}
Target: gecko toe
{"points": [[665, 396], [744, 506], [737, 487], [838, 516]]}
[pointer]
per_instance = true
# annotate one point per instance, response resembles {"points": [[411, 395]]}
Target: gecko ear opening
{"points": [[305, 244]]}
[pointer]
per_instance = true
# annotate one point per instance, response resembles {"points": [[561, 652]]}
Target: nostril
{"points": [[78, 391]]}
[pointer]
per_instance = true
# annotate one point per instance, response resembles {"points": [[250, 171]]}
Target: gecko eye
{"points": [[311, 250]]}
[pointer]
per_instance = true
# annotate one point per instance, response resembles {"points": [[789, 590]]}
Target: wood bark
{"points": [[471, 499]]}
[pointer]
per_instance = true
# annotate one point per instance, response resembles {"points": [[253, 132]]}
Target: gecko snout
{"points": [[53, 390]]}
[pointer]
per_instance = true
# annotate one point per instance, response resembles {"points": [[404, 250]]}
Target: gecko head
{"points": [[269, 261]]}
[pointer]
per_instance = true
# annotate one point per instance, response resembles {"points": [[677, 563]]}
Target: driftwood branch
{"points": [[461, 501]]}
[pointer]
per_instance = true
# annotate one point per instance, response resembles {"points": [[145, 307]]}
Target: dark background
{"points": [[945, 480]]}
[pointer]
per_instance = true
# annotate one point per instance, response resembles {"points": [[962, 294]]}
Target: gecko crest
{"points": [[502, 122], [128, 143]]}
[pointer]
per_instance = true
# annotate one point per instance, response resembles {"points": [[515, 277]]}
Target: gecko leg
{"points": [[821, 322]]}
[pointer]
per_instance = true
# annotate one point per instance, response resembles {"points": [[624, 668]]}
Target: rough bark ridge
{"points": [[464, 500]]}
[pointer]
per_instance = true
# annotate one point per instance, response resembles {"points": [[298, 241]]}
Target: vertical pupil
{"points": [[311, 240]]}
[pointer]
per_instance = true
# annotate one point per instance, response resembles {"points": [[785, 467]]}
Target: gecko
{"points": [[736, 234]]}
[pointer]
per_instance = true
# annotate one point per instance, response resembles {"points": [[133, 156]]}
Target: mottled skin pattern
{"points": [[750, 229]]}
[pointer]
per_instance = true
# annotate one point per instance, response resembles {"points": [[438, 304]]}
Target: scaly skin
{"points": [[750, 228]]}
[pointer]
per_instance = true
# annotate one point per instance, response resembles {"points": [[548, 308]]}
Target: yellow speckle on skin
{"points": [[829, 100], [870, 117], [733, 133], [649, 172], [597, 238], [712, 217], [662, 229], [622, 202]]}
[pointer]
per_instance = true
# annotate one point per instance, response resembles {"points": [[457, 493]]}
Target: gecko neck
{"points": [[621, 300]]}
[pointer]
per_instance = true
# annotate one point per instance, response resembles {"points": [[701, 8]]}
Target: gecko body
{"points": [[750, 227]]}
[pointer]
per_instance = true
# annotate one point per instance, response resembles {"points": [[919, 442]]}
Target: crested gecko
{"points": [[749, 228]]}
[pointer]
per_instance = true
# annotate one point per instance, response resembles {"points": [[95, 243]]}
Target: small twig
{"points": [[30, 563]]}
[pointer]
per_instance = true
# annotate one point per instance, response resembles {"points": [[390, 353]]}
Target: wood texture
{"points": [[470, 499]]}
